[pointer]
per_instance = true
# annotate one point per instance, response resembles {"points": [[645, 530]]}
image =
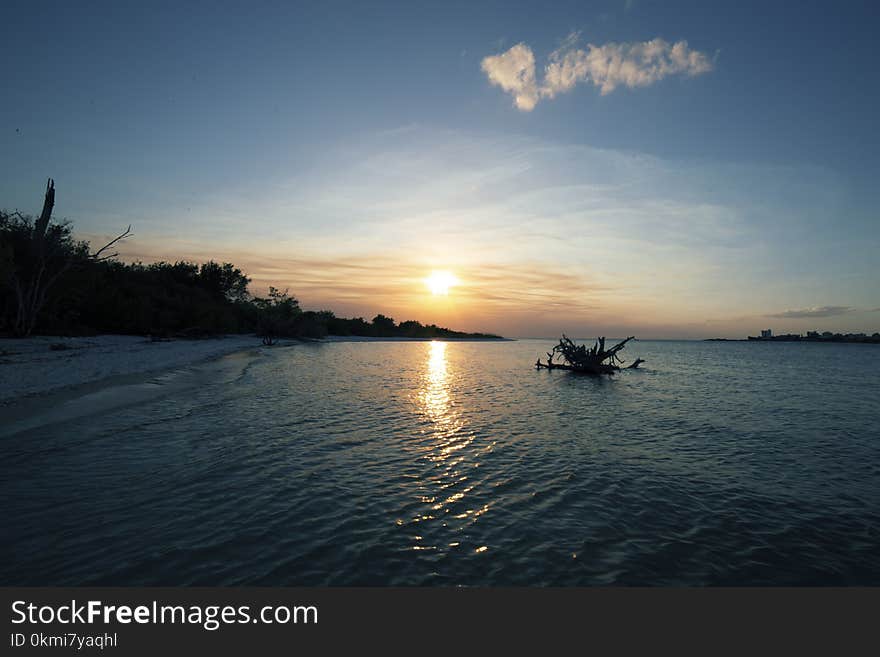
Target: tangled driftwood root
{"points": [[595, 360]]}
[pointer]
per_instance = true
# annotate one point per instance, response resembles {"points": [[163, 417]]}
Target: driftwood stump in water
{"points": [[596, 360]]}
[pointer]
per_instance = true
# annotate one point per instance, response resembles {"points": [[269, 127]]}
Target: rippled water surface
{"points": [[459, 464]]}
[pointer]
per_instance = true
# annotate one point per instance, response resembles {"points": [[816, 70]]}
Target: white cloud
{"points": [[514, 71], [607, 67]]}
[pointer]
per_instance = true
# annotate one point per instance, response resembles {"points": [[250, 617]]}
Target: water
{"points": [[459, 464]]}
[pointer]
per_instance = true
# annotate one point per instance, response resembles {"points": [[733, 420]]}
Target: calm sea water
{"points": [[459, 464]]}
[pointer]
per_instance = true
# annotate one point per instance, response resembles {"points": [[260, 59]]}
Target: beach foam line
{"points": [[40, 365], [99, 397]]}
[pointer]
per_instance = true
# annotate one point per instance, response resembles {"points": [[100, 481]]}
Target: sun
{"points": [[439, 282]]}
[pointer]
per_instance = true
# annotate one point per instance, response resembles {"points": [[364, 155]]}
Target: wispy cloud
{"points": [[540, 234], [817, 311], [364, 285], [606, 66]]}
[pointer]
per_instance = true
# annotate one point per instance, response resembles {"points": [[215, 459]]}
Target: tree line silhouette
{"points": [[54, 284]]}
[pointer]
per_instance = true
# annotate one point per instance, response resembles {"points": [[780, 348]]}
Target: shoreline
{"points": [[38, 367], [369, 338]]}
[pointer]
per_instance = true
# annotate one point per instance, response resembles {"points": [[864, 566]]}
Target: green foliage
{"points": [[276, 315], [158, 299], [32, 260], [342, 326], [383, 326], [224, 281]]}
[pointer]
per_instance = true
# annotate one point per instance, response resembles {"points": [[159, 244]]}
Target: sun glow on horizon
{"points": [[439, 282]]}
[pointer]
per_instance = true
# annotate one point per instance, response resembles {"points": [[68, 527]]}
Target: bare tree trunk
{"points": [[46, 215], [31, 293]]}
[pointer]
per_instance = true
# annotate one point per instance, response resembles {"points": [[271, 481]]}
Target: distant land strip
{"points": [[860, 338]]}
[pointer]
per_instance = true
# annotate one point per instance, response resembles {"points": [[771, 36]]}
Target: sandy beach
{"points": [[46, 364]]}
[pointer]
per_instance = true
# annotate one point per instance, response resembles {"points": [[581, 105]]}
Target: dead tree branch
{"points": [[100, 256]]}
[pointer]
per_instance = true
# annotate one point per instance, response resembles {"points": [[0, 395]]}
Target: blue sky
{"points": [[346, 149]]}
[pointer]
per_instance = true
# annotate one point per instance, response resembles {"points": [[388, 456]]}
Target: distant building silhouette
{"points": [[815, 336]]}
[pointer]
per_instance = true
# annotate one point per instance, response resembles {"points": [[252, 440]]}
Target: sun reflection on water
{"points": [[445, 486], [435, 394], [447, 427]]}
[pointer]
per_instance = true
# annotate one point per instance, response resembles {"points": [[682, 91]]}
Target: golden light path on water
{"points": [[446, 486]]}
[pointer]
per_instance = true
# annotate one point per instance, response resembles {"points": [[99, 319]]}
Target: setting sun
{"points": [[439, 282]]}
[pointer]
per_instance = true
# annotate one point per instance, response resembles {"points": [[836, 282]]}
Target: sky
{"points": [[663, 169]]}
